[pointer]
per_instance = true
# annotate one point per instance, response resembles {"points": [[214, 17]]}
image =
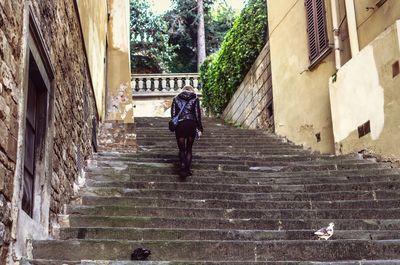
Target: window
{"points": [[38, 92], [318, 41], [36, 124]]}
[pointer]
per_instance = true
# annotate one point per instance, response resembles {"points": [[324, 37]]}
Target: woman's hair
{"points": [[188, 88]]}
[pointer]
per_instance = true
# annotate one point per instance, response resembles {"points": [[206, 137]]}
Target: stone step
{"points": [[213, 234], [256, 180], [248, 188], [254, 198], [210, 133], [233, 157], [219, 250], [209, 139], [250, 150], [119, 262], [243, 161], [170, 212], [277, 167], [226, 223], [348, 173], [276, 196], [229, 204]]}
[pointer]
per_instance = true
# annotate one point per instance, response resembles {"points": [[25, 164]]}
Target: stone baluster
{"points": [[164, 84], [140, 84], [195, 83], [134, 84], [157, 84], [172, 84], [179, 81], [187, 81]]}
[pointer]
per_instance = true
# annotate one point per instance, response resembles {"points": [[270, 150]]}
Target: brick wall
{"points": [[248, 106], [74, 105]]}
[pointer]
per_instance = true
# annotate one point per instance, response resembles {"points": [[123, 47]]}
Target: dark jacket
{"points": [[192, 109]]}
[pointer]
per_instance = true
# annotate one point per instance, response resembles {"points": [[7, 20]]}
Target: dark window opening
{"points": [[318, 137], [395, 69], [364, 129], [318, 41], [36, 124]]}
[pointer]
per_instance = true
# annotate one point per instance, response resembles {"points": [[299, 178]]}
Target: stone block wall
{"points": [[74, 103], [248, 106], [10, 83], [73, 110]]}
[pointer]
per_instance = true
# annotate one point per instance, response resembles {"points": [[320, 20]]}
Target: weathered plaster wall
{"points": [[93, 17], [152, 106], [372, 22], [119, 92], [10, 83], [365, 90], [301, 96], [247, 107]]}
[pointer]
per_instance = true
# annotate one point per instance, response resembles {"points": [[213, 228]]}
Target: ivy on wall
{"points": [[223, 71]]}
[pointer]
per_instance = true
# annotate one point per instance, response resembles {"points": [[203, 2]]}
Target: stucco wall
{"points": [[158, 106], [372, 22], [93, 17], [247, 107], [301, 96], [365, 90], [119, 92]]}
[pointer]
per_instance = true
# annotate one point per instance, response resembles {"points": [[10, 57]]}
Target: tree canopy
{"points": [[168, 42]]}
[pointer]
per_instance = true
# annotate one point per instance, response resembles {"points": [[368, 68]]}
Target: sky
{"points": [[160, 6]]}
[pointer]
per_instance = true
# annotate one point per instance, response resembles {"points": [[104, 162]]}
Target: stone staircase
{"points": [[253, 199]]}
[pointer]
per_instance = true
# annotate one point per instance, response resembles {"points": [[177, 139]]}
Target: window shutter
{"points": [[316, 28]]}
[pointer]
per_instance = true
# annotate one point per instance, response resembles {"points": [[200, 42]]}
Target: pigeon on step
{"points": [[140, 254], [326, 232]]}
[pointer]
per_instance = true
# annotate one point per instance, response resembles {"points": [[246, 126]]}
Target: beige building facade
{"points": [[334, 70]]}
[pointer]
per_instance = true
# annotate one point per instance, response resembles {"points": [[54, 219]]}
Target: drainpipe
{"points": [[336, 31], [352, 25]]}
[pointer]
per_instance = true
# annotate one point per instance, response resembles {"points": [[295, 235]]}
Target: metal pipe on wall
{"points": [[352, 25], [336, 32]]}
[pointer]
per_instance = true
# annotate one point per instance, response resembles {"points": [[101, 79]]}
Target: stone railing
{"points": [[163, 84]]}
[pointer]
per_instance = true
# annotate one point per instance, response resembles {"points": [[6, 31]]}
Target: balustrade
{"points": [[147, 84]]}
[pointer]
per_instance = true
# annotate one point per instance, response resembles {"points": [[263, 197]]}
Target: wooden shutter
{"points": [[318, 42]]}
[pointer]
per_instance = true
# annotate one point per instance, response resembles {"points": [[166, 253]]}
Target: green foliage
{"points": [[150, 48], [223, 71], [182, 23]]}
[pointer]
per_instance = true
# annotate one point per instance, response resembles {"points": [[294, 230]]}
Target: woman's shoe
{"points": [[183, 173]]}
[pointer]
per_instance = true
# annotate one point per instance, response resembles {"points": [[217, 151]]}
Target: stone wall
{"points": [[10, 83], [73, 110], [74, 100], [248, 106]]}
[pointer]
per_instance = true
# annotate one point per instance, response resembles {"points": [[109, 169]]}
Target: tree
{"points": [[150, 46], [183, 23], [201, 35], [168, 43]]}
